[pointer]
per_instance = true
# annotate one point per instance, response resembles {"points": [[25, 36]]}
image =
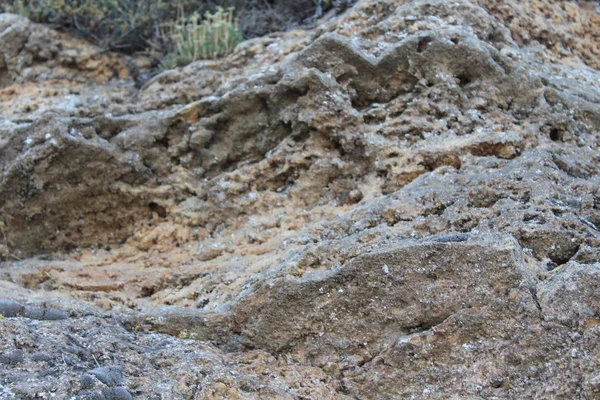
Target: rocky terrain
{"points": [[402, 203]]}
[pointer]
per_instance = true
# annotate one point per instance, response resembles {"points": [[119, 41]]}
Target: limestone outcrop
{"points": [[401, 203]]}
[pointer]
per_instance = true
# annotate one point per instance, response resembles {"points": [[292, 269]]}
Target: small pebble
{"points": [[52, 314], [111, 375], [117, 393], [86, 382], [41, 357], [15, 378], [48, 371], [13, 358], [44, 314], [10, 309], [354, 197], [33, 312], [91, 396]]}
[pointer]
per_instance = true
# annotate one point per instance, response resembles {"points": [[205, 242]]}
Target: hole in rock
{"points": [[464, 79], [423, 43], [148, 291], [555, 134], [158, 209], [563, 257]]}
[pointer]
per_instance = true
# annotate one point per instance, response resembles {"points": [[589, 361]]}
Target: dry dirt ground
{"points": [[403, 203]]}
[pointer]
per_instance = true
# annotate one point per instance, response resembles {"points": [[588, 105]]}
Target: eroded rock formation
{"points": [[401, 203]]}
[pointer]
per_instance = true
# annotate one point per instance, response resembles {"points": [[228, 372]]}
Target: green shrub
{"points": [[139, 25], [111, 24], [192, 39]]}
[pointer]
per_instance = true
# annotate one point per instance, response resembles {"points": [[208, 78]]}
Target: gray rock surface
{"points": [[110, 375], [35, 53], [401, 203]]}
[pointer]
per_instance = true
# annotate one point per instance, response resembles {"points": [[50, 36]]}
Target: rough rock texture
{"points": [[401, 203], [35, 53]]}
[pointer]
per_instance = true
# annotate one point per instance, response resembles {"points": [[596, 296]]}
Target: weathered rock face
{"points": [[402, 203], [55, 175], [35, 53]]}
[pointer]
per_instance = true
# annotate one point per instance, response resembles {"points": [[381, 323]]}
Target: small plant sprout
{"points": [[196, 39]]}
